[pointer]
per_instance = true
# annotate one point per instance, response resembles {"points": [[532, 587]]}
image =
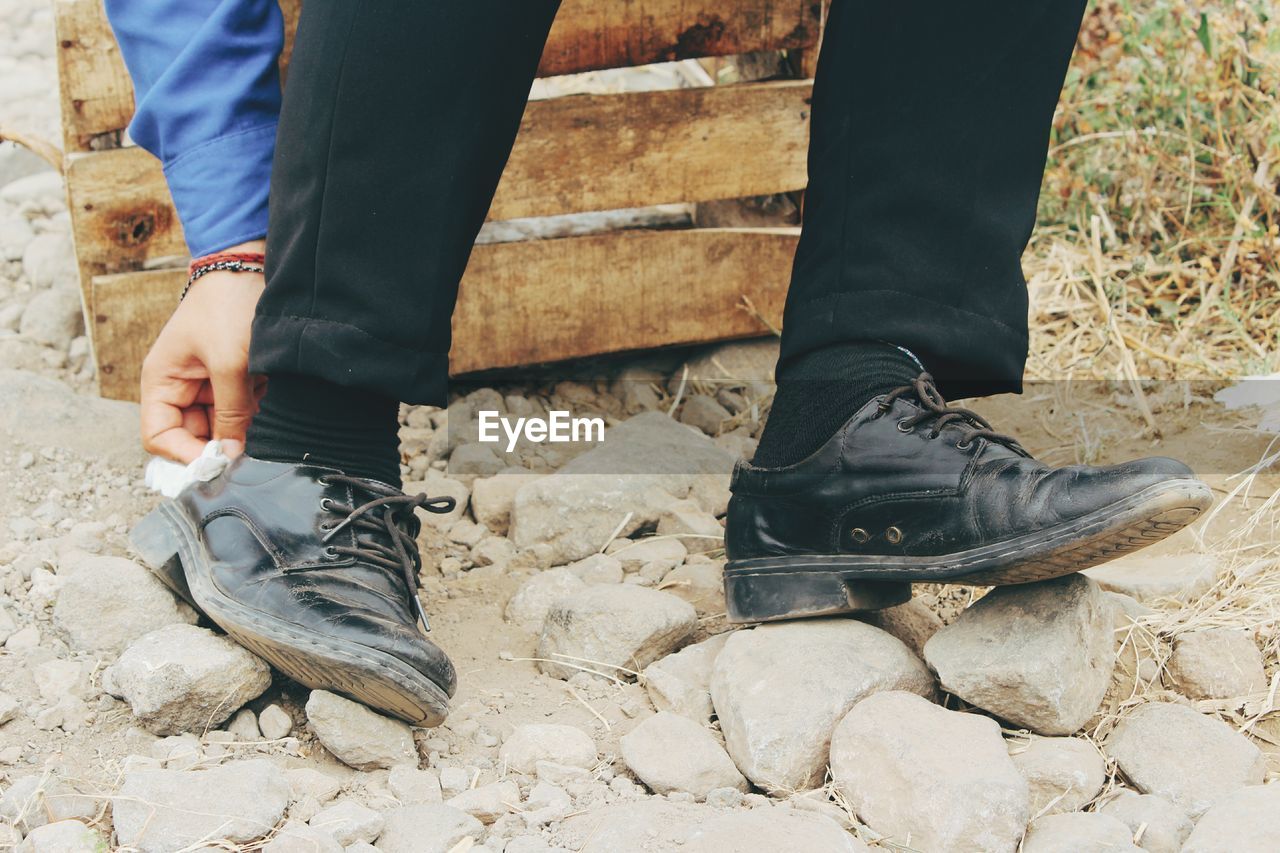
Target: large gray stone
{"points": [[349, 822], [427, 828], [296, 837], [357, 736], [1164, 826], [1181, 577], [681, 682], [528, 607], [1063, 773], [1079, 831], [669, 752], [1039, 655], [1186, 757], [53, 318], [1216, 663], [613, 628], [65, 836], [643, 465], [928, 777], [105, 603], [161, 811], [529, 744], [48, 412], [1246, 821], [780, 689], [181, 678], [652, 824]]}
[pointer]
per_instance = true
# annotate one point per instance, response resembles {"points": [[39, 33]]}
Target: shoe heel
{"points": [[156, 543], [766, 596]]}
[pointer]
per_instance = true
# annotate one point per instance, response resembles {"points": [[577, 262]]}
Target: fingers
{"points": [[233, 407]]}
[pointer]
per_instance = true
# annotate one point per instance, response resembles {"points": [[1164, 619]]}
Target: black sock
{"points": [[819, 391], [303, 418]]}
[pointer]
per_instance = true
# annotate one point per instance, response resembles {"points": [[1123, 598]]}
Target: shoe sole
{"points": [[764, 589], [168, 545]]}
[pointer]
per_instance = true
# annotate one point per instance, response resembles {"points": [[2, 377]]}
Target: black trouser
{"points": [[930, 125]]}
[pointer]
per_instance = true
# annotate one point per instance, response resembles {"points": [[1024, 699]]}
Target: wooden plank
{"points": [[95, 90], [587, 152], [591, 34], [97, 97], [626, 290]]}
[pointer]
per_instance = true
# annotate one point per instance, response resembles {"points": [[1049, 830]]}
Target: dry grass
{"points": [[1156, 255]]}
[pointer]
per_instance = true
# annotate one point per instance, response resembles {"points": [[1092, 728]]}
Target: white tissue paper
{"points": [[168, 477]]}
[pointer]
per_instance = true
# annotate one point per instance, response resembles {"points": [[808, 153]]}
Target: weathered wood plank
{"points": [[661, 287], [587, 152], [97, 96]]}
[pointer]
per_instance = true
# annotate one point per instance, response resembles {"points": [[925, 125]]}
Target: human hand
{"points": [[195, 379]]}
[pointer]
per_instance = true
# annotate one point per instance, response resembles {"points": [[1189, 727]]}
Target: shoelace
{"points": [[940, 413], [382, 517]]}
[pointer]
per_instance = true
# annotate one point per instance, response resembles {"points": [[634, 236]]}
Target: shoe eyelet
{"points": [[331, 552], [326, 504], [907, 429], [324, 481], [964, 445], [859, 535], [894, 535]]}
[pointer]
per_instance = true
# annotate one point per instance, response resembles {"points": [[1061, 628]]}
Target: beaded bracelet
{"points": [[229, 261]]}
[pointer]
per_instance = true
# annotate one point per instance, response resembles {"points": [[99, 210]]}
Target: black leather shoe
{"points": [[315, 572], [913, 490]]}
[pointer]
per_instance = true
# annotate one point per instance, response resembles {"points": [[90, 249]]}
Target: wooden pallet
{"points": [[531, 302]]}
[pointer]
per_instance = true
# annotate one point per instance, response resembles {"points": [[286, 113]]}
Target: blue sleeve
{"points": [[207, 84]]}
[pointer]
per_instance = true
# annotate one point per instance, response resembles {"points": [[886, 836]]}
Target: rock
{"points": [[162, 811], [529, 744], [546, 803], [1216, 663], [635, 554], [598, 568], [53, 318], [941, 779], [1189, 759], [492, 497], [244, 726], [15, 234], [453, 781], [182, 678], [65, 836], [274, 722], [1245, 821], [296, 837], [1039, 654], [8, 708], [42, 798], [349, 822], [528, 607], [427, 828], [1072, 833], [49, 260], [642, 465], [1164, 826], [669, 752], [780, 689], [1062, 773], [740, 364], [695, 528], [493, 551], [681, 682], [305, 782], [1182, 577], [652, 824], [911, 622], [106, 603], [32, 405], [358, 736], [702, 412], [411, 785], [441, 487], [469, 461], [612, 629], [489, 802]]}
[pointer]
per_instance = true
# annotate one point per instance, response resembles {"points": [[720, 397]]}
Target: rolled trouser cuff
{"points": [[970, 355], [349, 356]]}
